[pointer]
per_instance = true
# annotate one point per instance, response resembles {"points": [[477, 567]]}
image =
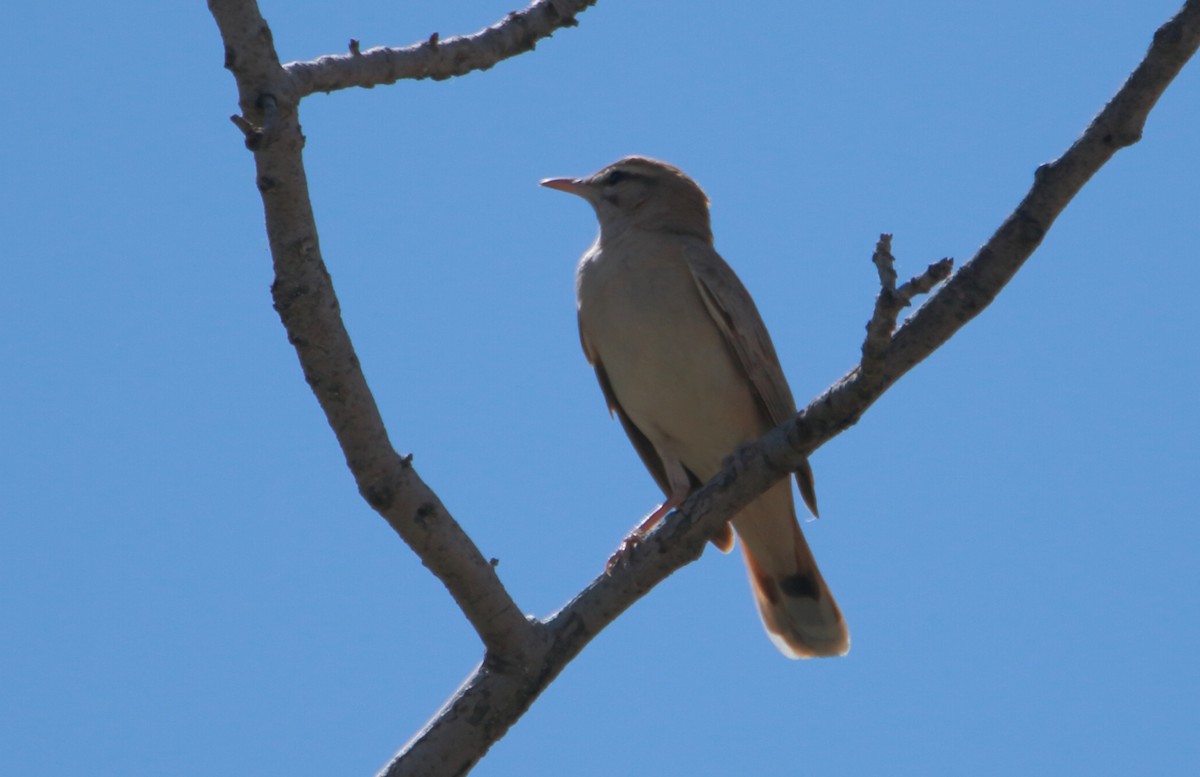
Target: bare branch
{"points": [[438, 59], [891, 301], [308, 307], [253, 134], [885, 263], [976, 283], [523, 657], [488, 702], [1118, 125], [924, 283]]}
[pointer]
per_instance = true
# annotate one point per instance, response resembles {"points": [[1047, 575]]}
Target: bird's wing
{"points": [[736, 316], [723, 538], [641, 443]]}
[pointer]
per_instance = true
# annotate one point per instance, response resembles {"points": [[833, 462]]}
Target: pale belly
{"points": [[669, 366]]}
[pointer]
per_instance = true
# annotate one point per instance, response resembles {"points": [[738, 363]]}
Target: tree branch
{"points": [[308, 307], [488, 702], [891, 301], [973, 287], [438, 59], [523, 656]]}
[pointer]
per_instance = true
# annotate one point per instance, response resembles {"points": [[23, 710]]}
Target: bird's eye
{"points": [[615, 177]]}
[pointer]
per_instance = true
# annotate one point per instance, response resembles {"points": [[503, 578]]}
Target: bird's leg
{"points": [[634, 538]]}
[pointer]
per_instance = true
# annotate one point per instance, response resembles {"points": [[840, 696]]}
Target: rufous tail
{"points": [[797, 608]]}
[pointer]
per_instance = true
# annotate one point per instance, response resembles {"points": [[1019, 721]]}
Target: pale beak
{"points": [[568, 185]]}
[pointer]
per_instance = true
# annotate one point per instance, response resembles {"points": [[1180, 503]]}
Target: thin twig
{"points": [[438, 59], [891, 301]]}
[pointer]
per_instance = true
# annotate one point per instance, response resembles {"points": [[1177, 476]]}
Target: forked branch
{"points": [[524, 656], [892, 300]]}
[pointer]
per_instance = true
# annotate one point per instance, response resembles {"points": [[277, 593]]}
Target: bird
{"points": [[686, 365]]}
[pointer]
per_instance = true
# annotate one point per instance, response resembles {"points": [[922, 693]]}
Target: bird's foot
{"points": [[621, 556]]}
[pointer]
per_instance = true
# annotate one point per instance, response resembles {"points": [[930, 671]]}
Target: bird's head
{"points": [[641, 192]]}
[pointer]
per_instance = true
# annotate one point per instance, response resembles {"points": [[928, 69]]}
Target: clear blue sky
{"points": [[190, 584]]}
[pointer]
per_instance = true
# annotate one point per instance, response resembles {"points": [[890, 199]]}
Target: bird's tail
{"points": [[797, 608]]}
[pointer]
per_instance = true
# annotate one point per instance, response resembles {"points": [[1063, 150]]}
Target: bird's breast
{"points": [[666, 360]]}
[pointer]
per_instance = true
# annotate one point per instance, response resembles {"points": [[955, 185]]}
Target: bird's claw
{"points": [[621, 556]]}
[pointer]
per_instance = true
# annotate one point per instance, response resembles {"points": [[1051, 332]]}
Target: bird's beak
{"points": [[568, 185]]}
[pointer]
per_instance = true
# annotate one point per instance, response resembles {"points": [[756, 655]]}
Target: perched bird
{"points": [[686, 364]]}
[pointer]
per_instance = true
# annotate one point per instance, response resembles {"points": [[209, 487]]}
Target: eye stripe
{"points": [[614, 177]]}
